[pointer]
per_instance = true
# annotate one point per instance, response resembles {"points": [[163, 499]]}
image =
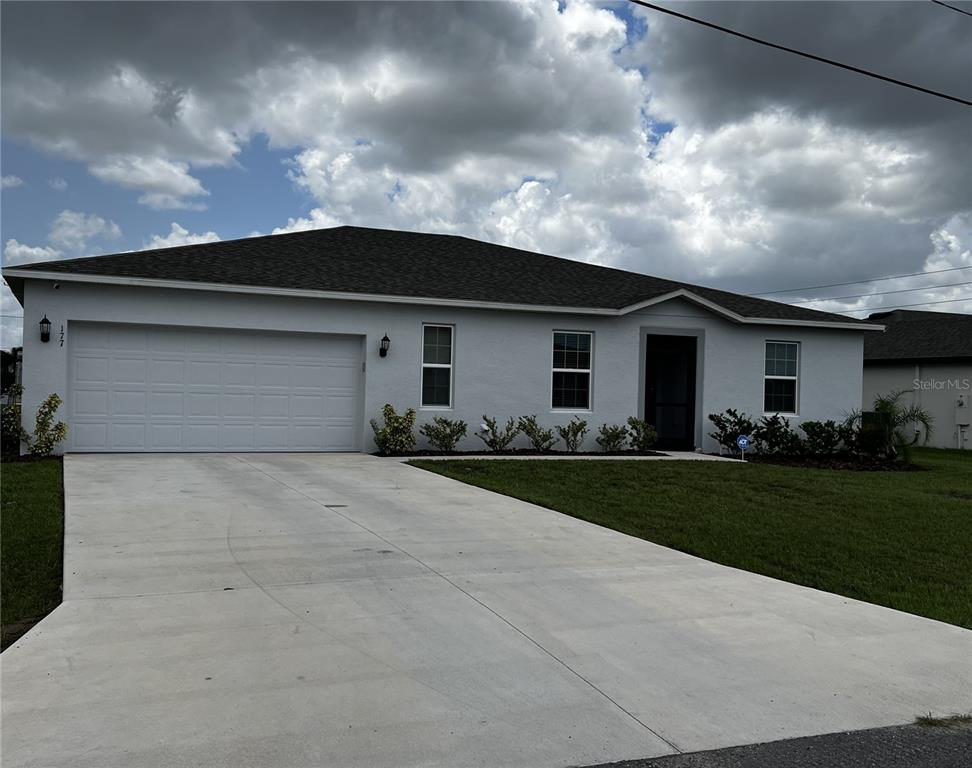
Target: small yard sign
{"points": [[743, 442]]}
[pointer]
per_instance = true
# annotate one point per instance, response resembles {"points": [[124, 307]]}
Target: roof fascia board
{"points": [[143, 282]]}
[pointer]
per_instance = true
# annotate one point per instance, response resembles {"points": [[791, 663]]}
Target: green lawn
{"points": [[900, 539], [31, 542]]}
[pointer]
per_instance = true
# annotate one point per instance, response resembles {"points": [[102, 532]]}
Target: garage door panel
{"points": [[89, 437], [165, 437], [91, 370], [126, 337], [90, 402], [126, 403], [169, 389], [128, 437], [128, 370]]}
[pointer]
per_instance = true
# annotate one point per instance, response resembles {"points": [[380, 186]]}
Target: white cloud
{"points": [[58, 184], [179, 235], [8, 182], [72, 231], [165, 184], [15, 253], [316, 219]]}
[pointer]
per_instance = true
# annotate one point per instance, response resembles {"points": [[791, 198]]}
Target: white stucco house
{"points": [[928, 357], [275, 344]]}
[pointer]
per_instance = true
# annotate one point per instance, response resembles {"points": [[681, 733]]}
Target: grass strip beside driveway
{"points": [[899, 539], [31, 543]]}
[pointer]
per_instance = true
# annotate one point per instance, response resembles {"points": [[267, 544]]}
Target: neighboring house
{"points": [[928, 355], [273, 343]]}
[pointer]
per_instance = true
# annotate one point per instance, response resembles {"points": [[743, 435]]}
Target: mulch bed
{"points": [[516, 452], [845, 462]]}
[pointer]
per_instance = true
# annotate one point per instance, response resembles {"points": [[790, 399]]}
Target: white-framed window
{"points": [[437, 360], [571, 372], [781, 377]]}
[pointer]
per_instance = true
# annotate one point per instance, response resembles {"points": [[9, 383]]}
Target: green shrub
{"points": [[884, 431], [573, 434], [826, 437], [773, 435], [47, 433], [497, 439], [643, 434], [12, 431], [443, 433], [729, 425], [612, 437], [541, 439], [395, 436]]}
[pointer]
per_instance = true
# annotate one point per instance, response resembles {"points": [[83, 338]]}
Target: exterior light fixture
{"points": [[382, 346], [45, 328]]}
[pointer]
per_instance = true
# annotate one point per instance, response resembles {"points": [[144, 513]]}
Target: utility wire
{"points": [[806, 55], [946, 5], [905, 306], [858, 282], [881, 293]]}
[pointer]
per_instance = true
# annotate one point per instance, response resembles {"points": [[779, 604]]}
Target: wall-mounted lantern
{"points": [[45, 326], [384, 345]]}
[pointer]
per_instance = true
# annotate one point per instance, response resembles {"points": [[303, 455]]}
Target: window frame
{"points": [[450, 366], [589, 371], [778, 377]]}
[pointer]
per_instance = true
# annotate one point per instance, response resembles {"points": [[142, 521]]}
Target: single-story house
{"points": [[927, 355], [293, 342]]}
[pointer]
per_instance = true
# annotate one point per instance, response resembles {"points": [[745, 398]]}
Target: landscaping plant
{"points": [[612, 437], [729, 425], [443, 433], [773, 435], [47, 433], [825, 438], [497, 439], [541, 439], [396, 435], [886, 432], [573, 434], [642, 434]]}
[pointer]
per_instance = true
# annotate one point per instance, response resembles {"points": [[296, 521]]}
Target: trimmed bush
{"points": [[573, 434], [47, 433], [541, 439], [729, 425], [443, 433], [773, 435], [396, 435], [825, 438], [612, 437], [643, 435], [497, 439]]}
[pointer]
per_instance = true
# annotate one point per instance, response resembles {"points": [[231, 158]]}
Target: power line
{"points": [[806, 55], [881, 293], [21, 316], [858, 282], [905, 306], [946, 5]]}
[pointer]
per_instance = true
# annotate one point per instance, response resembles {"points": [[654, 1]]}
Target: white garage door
{"points": [[163, 388]]}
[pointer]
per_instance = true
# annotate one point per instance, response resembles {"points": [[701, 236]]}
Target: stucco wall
{"points": [[502, 359], [933, 386]]}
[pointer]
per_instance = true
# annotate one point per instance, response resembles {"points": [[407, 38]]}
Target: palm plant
{"points": [[886, 431]]}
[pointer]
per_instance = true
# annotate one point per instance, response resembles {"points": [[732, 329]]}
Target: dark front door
{"points": [[670, 390]]}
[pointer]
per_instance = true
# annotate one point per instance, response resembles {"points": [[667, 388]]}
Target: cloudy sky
{"points": [[601, 132]]}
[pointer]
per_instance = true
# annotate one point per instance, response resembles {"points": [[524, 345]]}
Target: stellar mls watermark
{"points": [[956, 383]]}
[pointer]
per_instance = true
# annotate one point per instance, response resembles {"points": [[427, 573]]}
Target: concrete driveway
{"points": [[298, 610]]}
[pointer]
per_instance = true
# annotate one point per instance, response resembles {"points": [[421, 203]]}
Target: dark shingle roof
{"points": [[394, 263], [919, 336]]}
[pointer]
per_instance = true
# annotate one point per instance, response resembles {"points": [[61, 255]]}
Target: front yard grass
{"points": [[31, 544], [899, 539]]}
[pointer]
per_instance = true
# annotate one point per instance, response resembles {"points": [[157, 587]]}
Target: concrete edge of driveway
{"points": [[667, 456], [896, 746]]}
